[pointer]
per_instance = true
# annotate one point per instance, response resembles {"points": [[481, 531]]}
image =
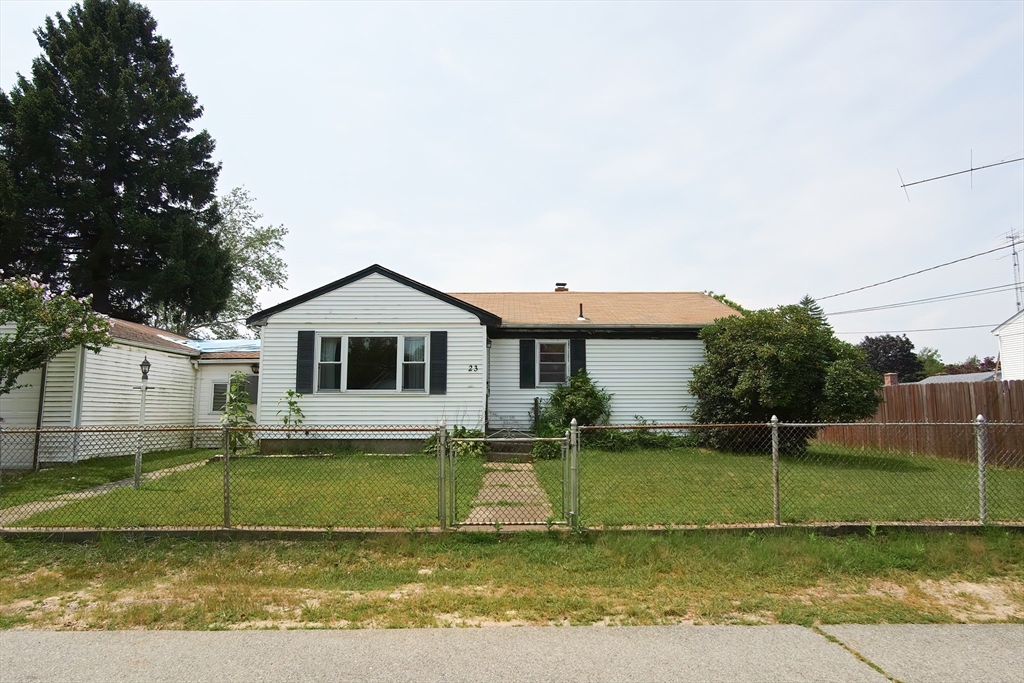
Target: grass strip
{"points": [[407, 580]]}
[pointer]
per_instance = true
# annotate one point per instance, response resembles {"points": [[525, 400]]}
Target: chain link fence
{"points": [[665, 475], [622, 476]]}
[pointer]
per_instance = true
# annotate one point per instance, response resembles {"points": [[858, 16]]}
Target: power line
{"points": [[917, 272], [934, 299], [927, 329]]}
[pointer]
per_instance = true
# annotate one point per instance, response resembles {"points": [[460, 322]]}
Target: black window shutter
{"points": [[305, 361], [439, 362], [577, 356], [527, 364]]}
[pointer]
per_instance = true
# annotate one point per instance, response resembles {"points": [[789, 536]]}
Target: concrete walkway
{"points": [[509, 494], [20, 512], [912, 654]]}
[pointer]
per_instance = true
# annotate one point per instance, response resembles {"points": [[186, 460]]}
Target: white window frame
{"points": [[563, 342], [227, 383], [316, 370], [399, 361]]}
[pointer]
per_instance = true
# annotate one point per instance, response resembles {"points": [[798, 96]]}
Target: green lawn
{"points": [[335, 491], [25, 487], [828, 484]]}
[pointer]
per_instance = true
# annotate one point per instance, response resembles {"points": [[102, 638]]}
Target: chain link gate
{"points": [[480, 486]]}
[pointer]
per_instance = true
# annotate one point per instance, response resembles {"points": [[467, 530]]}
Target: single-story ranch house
{"points": [[377, 348]]}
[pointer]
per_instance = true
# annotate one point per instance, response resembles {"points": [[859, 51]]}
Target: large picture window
{"points": [[552, 362], [372, 363]]}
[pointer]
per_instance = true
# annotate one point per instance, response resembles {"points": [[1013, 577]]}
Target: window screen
{"points": [[414, 364], [220, 396], [552, 362], [329, 368]]}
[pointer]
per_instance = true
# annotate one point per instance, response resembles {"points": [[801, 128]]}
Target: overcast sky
{"points": [[750, 149]]}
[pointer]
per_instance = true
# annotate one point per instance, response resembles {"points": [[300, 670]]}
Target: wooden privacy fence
{"points": [[938, 419]]}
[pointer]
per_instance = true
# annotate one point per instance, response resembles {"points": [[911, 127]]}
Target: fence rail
{"points": [[416, 476]]}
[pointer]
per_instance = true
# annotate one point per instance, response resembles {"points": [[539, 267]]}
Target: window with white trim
{"points": [[552, 362], [329, 367], [414, 364], [220, 392]]}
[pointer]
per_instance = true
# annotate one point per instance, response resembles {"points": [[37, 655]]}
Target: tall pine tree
{"points": [[104, 185]]}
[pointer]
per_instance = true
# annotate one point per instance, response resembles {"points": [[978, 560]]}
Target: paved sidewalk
{"points": [[655, 653]]}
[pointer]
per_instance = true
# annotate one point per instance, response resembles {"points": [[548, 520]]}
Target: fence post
{"points": [[2, 451], [776, 507], [566, 476], [981, 441], [442, 456], [574, 473], [138, 461], [227, 477]]}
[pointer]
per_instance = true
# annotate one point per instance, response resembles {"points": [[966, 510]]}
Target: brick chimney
{"points": [[891, 379]]}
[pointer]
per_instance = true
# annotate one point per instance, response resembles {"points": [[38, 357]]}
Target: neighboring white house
{"points": [[79, 388], [376, 348], [1011, 347]]}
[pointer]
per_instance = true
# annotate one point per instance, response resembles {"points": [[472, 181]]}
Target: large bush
{"points": [[784, 361], [578, 398]]}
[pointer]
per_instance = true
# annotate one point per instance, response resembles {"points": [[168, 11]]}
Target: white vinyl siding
{"points": [[61, 397], [377, 306], [109, 396], [20, 407], [646, 377], [212, 373], [1011, 349]]}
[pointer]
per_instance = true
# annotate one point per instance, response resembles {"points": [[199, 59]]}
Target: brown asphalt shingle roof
{"points": [[233, 355], [602, 309], [134, 332]]}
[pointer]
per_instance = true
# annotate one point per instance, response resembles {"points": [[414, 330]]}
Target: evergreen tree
{"points": [[104, 186]]}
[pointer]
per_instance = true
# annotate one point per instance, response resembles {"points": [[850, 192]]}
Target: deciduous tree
{"points": [[889, 353], [254, 252], [786, 362], [39, 323]]}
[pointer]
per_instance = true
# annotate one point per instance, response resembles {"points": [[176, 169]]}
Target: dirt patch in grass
{"points": [[491, 580], [968, 601]]}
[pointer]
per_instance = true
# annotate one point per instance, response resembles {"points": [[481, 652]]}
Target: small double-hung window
{"points": [[329, 373], [552, 362], [414, 364]]}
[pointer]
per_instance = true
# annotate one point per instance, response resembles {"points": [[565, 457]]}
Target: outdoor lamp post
{"points": [[145, 365]]}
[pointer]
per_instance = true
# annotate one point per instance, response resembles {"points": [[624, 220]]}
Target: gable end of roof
{"points": [[485, 317]]}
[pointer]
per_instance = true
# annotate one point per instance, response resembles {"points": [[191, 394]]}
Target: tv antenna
{"points": [[970, 170], [1018, 279]]}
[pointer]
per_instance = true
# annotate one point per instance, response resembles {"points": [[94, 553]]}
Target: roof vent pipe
{"points": [[581, 318], [561, 287]]}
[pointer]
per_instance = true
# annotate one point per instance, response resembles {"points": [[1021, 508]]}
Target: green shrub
{"points": [[475, 449], [637, 439], [578, 398]]}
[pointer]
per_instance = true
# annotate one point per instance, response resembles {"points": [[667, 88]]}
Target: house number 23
{"points": [[474, 368]]}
